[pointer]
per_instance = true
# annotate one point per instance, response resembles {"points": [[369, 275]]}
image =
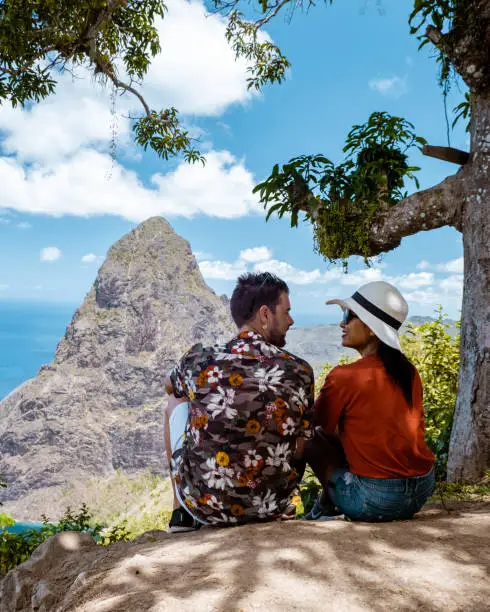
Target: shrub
{"points": [[15, 548], [6, 520], [435, 354], [309, 489], [122, 496]]}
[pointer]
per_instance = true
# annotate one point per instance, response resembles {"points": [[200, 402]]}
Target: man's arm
{"points": [[306, 428], [168, 385]]}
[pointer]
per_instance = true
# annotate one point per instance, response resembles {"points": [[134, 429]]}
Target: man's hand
{"points": [[168, 385]]}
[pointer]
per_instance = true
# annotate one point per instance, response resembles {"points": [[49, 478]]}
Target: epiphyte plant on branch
{"points": [[341, 201]]}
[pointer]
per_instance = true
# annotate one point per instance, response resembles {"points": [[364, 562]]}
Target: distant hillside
{"points": [[319, 344]]}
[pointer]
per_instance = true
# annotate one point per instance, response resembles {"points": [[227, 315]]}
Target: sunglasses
{"points": [[347, 316]]}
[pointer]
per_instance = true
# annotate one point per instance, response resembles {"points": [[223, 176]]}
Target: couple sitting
{"points": [[241, 421]]}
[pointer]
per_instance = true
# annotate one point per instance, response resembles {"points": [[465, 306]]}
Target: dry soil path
{"points": [[438, 561]]}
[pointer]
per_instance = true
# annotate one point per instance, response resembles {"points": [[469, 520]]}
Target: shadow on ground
{"points": [[438, 561]]}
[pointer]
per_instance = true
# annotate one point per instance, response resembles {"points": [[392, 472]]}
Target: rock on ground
{"points": [[438, 561]]}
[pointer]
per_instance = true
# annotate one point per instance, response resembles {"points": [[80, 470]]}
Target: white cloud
{"points": [[78, 115], [4, 287], [394, 87], [4, 221], [80, 186], [288, 272], [423, 297], [414, 280], [221, 188], [196, 70], [231, 270], [446, 291], [66, 169], [422, 290], [361, 277], [452, 284], [256, 254], [222, 270], [91, 258], [50, 253], [202, 255], [455, 266], [24, 225]]}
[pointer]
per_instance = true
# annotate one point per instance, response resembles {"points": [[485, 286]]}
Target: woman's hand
{"points": [[299, 451]]}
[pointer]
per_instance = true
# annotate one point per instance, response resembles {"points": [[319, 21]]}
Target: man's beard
{"points": [[277, 338]]}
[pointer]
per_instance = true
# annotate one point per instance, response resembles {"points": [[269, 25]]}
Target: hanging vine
{"points": [[459, 19]]}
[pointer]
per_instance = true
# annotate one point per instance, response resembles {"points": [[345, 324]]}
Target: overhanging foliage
{"points": [[342, 200]]}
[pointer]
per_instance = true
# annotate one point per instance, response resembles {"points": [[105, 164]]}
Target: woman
{"points": [[375, 406]]}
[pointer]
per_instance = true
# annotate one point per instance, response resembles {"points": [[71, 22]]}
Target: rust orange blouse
{"points": [[382, 435]]}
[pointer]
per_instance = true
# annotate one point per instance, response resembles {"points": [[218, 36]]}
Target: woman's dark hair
{"points": [[399, 369], [254, 290]]}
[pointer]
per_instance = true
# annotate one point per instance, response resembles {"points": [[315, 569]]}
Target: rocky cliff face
{"points": [[98, 406]]}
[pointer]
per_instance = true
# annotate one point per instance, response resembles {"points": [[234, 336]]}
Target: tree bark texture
{"points": [[422, 211], [469, 453]]}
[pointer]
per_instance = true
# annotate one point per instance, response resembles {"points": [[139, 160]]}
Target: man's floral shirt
{"points": [[249, 403]]}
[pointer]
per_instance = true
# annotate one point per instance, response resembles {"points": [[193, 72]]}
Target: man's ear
{"points": [[263, 314]]}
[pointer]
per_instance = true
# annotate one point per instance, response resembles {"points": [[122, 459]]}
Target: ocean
{"points": [[21, 527], [29, 334]]}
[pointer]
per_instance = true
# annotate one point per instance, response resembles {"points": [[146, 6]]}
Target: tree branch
{"points": [[449, 154], [466, 53], [434, 35], [16, 72], [273, 12], [120, 85], [422, 211]]}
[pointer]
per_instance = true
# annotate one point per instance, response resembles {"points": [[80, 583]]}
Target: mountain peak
{"points": [[98, 406]]}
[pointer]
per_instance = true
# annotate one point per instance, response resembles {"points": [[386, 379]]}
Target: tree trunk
{"points": [[469, 452]]}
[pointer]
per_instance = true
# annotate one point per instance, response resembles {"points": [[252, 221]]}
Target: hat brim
{"points": [[383, 331]]}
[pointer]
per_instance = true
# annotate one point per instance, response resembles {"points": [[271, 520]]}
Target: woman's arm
{"points": [[330, 403]]}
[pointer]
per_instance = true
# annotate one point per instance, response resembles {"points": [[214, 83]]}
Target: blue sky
{"points": [[63, 201]]}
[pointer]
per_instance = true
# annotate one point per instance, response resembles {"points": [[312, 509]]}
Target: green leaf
{"points": [[294, 218]]}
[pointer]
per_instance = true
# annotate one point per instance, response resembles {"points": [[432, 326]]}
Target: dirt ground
{"points": [[437, 561]]}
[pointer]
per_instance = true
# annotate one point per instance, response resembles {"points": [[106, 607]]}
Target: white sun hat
{"points": [[381, 307]]}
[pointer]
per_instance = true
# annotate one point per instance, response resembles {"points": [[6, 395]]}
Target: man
{"points": [[239, 416]]}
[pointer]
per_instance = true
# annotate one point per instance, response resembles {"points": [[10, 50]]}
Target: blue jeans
{"points": [[378, 499]]}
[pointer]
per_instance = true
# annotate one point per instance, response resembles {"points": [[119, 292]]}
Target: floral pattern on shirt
{"points": [[249, 403]]}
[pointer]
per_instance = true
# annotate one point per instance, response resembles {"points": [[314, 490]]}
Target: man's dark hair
{"points": [[254, 290]]}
